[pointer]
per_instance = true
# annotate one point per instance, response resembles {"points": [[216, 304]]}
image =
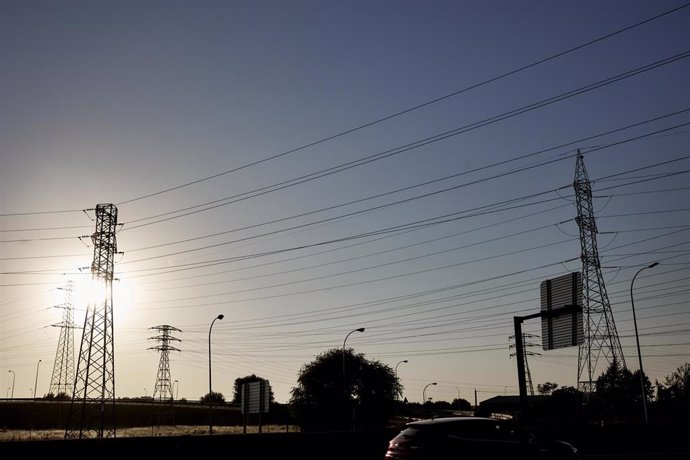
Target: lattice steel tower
{"points": [[526, 352], [62, 379], [163, 387], [92, 412], [601, 342]]}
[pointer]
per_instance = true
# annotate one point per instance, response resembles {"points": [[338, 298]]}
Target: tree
{"points": [[321, 400], [560, 406], [618, 392], [216, 398], [546, 388], [60, 396], [676, 386], [461, 404], [673, 396], [237, 390]]}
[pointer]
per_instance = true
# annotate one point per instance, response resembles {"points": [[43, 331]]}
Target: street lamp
{"points": [[346, 394], [424, 392], [178, 389], [396, 367], [361, 329], [637, 340], [210, 388], [36, 381], [396, 373], [14, 376]]}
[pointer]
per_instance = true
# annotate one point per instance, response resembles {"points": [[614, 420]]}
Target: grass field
{"points": [[179, 430], [20, 420]]}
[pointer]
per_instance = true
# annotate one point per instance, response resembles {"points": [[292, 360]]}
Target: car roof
{"points": [[445, 420]]}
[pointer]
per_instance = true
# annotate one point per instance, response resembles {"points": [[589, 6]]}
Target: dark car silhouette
{"points": [[471, 437]]}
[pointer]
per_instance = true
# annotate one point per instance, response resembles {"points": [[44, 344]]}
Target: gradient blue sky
{"points": [[108, 102]]}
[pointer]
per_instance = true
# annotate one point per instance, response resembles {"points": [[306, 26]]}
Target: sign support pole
{"points": [[519, 347]]}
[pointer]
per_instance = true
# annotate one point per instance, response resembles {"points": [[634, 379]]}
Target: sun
{"points": [[89, 291]]}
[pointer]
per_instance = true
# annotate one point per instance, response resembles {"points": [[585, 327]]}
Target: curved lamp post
{"points": [[210, 390], [396, 367], [637, 340], [424, 392], [14, 376], [396, 373], [36, 381], [346, 394], [361, 329]]}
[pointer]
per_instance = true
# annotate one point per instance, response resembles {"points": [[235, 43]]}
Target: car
{"points": [[472, 437]]}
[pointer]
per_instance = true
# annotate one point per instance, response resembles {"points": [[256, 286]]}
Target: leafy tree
{"points": [[546, 388], [440, 405], [618, 392], [60, 396], [216, 398], [673, 396], [565, 402], [237, 390], [676, 386], [461, 404], [322, 400]]}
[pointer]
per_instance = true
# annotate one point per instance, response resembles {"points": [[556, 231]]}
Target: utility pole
{"points": [[92, 411]]}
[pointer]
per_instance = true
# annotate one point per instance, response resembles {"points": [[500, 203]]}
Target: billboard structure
{"points": [[561, 322], [566, 330], [255, 399]]}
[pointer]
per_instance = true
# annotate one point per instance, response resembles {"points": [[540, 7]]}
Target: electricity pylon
{"points": [[92, 411], [62, 379], [601, 340], [526, 352], [163, 387]]}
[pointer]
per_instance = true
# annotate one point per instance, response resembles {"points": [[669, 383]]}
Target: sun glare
{"points": [[88, 291]]}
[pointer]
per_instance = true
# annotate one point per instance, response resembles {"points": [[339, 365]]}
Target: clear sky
{"points": [[294, 234]]}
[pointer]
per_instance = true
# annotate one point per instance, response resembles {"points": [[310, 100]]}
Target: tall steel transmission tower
{"points": [[62, 380], [163, 387], [601, 342], [526, 352], [92, 411]]}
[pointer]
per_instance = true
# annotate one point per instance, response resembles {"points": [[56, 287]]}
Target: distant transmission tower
{"points": [[163, 387], [92, 411], [601, 342], [526, 352], [62, 379]]}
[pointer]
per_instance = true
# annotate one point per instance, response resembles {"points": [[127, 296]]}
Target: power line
{"points": [[428, 221], [416, 107], [463, 129], [295, 181]]}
